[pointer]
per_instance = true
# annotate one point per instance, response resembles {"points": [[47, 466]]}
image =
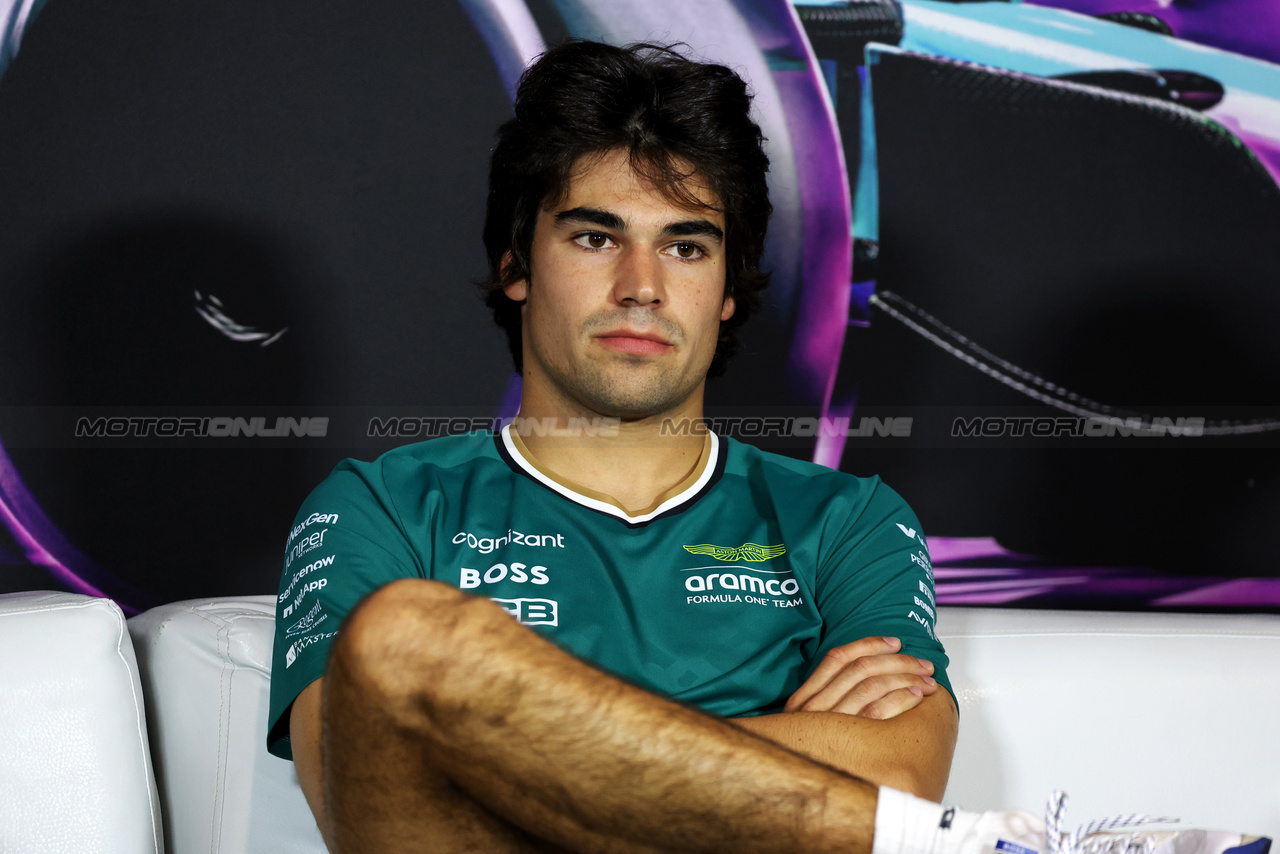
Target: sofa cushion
{"points": [[75, 768], [1163, 713], [206, 668]]}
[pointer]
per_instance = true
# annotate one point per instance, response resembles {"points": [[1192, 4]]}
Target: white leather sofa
{"points": [[148, 736]]}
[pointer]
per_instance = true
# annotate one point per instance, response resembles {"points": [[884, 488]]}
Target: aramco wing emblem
{"points": [[752, 552]]}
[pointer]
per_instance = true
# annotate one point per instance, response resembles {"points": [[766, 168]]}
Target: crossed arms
{"points": [[872, 713], [437, 699]]}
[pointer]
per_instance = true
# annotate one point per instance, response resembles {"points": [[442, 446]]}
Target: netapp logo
{"points": [[310, 587], [484, 545]]}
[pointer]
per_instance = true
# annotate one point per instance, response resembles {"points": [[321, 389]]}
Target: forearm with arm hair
{"points": [[911, 751], [431, 694]]}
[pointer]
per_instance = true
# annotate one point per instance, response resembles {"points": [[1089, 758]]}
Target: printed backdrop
{"points": [[1025, 267]]}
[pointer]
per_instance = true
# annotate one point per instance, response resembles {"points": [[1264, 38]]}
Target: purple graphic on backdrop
{"points": [[979, 571], [44, 545], [35, 534], [810, 250]]}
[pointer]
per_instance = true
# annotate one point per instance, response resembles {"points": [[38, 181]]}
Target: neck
{"points": [[636, 463]]}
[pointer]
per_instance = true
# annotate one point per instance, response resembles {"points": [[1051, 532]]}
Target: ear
{"points": [[726, 310], [517, 291]]}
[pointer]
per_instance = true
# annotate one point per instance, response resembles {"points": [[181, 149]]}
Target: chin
{"points": [[633, 405]]}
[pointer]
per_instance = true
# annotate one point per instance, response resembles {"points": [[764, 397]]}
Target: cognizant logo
{"points": [[484, 545]]}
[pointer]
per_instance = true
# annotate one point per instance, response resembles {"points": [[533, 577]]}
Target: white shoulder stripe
{"points": [[708, 471]]}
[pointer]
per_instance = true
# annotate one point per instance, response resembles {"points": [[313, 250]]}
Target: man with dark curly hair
{"points": [[604, 628]]}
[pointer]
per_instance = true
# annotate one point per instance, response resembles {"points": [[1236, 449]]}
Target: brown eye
{"points": [[687, 250], [597, 241]]}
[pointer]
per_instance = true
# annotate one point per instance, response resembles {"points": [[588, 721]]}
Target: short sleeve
{"points": [[345, 543], [878, 580]]}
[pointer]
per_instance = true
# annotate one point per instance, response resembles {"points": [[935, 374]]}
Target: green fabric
{"points": [[689, 604]]}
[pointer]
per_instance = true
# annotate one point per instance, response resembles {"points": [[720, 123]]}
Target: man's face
{"points": [[624, 305]]}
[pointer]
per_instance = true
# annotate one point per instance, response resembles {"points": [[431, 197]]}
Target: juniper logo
{"points": [[750, 552]]}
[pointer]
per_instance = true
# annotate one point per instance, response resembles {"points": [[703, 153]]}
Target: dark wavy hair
{"points": [[670, 113]]}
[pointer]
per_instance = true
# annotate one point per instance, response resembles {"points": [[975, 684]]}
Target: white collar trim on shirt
{"points": [[708, 471]]}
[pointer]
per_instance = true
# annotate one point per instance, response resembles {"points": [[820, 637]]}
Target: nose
{"points": [[638, 279]]}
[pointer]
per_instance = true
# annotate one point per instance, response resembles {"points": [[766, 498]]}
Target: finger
{"points": [[871, 666], [894, 703], [815, 697], [871, 691], [835, 661], [867, 681]]}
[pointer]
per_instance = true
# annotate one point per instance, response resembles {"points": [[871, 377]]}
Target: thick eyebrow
{"points": [[606, 219], [592, 216], [694, 228]]}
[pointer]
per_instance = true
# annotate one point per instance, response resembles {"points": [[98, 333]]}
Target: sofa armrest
{"points": [[75, 765]]}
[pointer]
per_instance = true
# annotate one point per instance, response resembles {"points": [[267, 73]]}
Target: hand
{"points": [[865, 678]]}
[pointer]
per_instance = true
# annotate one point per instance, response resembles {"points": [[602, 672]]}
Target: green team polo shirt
{"points": [[725, 596]]}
